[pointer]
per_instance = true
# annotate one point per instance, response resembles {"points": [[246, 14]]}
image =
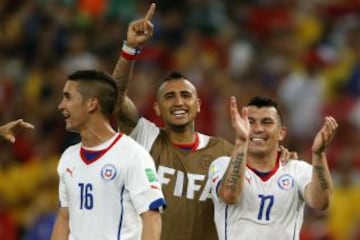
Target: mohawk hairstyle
{"points": [[97, 84], [174, 75], [93, 75]]}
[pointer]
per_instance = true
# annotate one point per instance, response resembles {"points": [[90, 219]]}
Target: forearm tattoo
{"points": [[122, 72], [320, 171], [234, 173]]}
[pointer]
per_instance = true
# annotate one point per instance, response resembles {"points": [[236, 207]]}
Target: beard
{"points": [[179, 128]]}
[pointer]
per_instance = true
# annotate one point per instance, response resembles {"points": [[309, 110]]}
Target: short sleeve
{"points": [[303, 175], [142, 183], [216, 172], [145, 133], [64, 202], [63, 194]]}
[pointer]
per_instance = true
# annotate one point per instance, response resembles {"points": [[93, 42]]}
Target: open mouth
{"points": [[179, 113], [257, 139], [66, 116]]}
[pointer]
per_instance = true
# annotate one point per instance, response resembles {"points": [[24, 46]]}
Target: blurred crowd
{"points": [[305, 54]]}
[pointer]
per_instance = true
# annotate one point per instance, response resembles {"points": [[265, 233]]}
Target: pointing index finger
{"points": [[150, 12]]}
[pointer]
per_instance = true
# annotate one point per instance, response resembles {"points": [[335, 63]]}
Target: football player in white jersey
{"points": [[254, 195], [108, 184]]}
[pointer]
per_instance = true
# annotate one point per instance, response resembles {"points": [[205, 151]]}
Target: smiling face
{"points": [[73, 107], [266, 130], [177, 103]]}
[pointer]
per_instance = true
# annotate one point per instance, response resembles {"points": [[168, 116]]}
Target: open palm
{"points": [[325, 135], [239, 122]]}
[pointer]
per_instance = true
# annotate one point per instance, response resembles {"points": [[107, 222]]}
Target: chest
{"points": [[277, 196], [166, 154], [103, 177]]}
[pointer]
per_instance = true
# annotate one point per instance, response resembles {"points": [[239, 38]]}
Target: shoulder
{"points": [[220, 162], [218, 167], [221, 143], [73, 149], [133, 149], [145, 133], [144, 126], [214, 140], [69, 154], [298, 165], [143, 122], [131, 143], [298, 162], [220, 140]]}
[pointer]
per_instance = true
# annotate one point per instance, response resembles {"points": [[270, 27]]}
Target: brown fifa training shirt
{"points": [[189, 214]]}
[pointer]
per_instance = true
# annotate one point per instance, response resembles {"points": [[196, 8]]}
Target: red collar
{"points": [[266, 175], [189, 146], [90, 156]]}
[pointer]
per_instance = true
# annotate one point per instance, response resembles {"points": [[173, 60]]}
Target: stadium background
{"points": [[306, 54]]}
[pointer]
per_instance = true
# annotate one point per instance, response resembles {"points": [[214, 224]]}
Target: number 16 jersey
{"points": [[107, 187]]}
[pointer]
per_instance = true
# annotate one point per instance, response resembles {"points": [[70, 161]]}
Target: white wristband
{"points": [[130, 50]]}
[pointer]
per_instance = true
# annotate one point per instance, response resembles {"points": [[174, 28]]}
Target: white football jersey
{"points": [[106, 195], [270, 208]]}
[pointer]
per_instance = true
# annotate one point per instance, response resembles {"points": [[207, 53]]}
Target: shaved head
{"points": [[175, 76]]}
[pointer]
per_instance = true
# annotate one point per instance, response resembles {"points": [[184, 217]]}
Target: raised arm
{"points": [[10, 129], [318, 191], [139, 32], [232, 183], [151, 225]]}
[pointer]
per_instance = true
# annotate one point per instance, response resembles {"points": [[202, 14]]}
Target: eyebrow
{"points": [[263, 119], [181, 91]]}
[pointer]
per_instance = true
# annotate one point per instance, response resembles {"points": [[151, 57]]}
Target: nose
{"points": [[256, 127], [61, 105], [178, 101]]}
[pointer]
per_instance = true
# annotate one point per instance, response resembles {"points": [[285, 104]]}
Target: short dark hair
{"points": [[97, 84], [261, 101], [174, 75]]}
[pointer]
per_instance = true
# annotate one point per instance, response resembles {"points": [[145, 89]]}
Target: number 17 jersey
{"points": [[269, 208]]}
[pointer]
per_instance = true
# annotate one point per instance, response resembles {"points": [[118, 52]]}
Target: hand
{"points": [[240, 123], [141, 30], [324, 136], [286, 155], [10, 129]]}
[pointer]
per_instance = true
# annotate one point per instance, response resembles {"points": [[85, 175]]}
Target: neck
{"points": [[186, 137], [181, 134], [96, 134], [263, 162]]}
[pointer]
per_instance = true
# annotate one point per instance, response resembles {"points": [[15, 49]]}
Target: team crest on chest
{"points": [[286, 182], [108, 172]]}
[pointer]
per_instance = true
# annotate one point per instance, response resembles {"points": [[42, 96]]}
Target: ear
{"points": [[157, 108], [282, 133], [198, 105], [92, 104]]}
